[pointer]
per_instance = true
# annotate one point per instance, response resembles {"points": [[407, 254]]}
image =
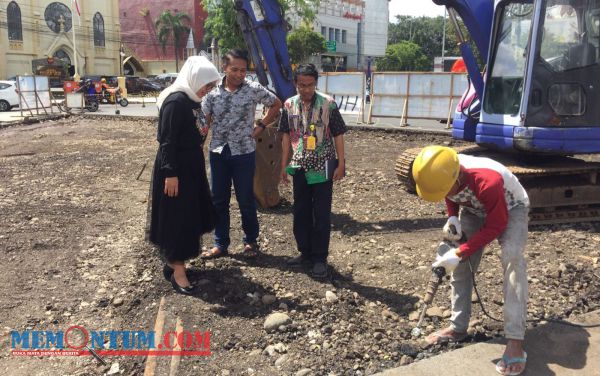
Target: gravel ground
{"points": [[73, 253]]}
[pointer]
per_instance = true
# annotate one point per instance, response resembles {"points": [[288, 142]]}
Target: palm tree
{"points": [[172, 26]]}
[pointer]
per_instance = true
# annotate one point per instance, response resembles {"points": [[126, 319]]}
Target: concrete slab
{"points": [[552, 350]]}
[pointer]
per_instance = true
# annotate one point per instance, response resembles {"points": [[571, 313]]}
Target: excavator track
{"points": [[560, 189]]}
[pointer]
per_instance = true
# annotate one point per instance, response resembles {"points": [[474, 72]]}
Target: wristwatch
{"points": [[260, 124]]}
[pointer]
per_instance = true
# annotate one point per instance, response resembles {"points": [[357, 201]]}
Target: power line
{"points": [[33, 21], [137, 38], [42, 10], [34, 25]]}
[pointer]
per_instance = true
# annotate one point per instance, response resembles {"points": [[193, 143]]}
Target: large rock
{"points": [[114, 369], [282, 359], [405, 360], [408, 349], [414, 315], [278, 348], [331, 297], [275, 320], [435, 312]]}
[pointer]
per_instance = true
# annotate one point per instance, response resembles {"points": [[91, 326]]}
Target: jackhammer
{"points": [[437, 276]]}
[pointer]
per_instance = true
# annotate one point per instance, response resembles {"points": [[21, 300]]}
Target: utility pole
{"points": [[76, 76], [214, 52], [444, 39], [121, 56], [359, 38]]}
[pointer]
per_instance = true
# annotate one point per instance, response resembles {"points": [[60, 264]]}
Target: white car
{"points": [[165, 79], [8, 95]]}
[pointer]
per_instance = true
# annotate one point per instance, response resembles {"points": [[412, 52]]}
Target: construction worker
{"points": [[493, 205]]}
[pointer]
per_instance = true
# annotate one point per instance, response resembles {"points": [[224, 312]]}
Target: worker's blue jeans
{"points": [[515, 289], [225, 168]]}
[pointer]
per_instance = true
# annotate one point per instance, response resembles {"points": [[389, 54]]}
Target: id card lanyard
{"points": [[309, 131]]}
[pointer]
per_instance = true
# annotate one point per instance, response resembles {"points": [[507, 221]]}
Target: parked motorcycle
{"points": [[113, 95]]}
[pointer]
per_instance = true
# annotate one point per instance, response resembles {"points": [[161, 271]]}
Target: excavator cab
{"points": [[537, 102], [542, 84]]}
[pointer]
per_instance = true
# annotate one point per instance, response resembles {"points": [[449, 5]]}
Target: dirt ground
{"points": [[73, 215]]}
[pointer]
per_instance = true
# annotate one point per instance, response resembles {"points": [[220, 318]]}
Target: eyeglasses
{"points": [[305, 86]]}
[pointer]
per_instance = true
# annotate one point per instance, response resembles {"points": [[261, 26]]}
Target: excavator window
{"points": [[569, 40], [566, 67], [505, 81]]}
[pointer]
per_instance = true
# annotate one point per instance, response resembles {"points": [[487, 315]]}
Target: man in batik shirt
{"points": [[313, 128]]}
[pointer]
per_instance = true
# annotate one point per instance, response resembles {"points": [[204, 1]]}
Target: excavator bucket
{"points": [[268, 166]]}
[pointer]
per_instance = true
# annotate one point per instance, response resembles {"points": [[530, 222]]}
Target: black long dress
{"points": [[176, 223]]}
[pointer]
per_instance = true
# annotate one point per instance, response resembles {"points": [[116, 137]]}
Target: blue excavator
{"points": [[536, 99], [535, 105], [542, 87]]}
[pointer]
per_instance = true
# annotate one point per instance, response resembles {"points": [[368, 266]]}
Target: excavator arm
{"points": [[264, 29], [477, 16]]}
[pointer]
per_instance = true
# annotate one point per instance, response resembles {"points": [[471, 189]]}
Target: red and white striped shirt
{"points": [[489, 191]]}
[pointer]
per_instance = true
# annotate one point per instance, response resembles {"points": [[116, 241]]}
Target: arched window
{"points": [[64, 56], [98, 30], [13, 17]]}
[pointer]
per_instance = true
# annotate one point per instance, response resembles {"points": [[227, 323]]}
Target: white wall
{"points": [[375, 27]]}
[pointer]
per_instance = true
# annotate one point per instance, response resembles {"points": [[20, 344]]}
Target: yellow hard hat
{"points": [[435, 171]]}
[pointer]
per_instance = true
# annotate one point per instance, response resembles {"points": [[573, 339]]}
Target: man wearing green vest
{"points": [[313, 128]]}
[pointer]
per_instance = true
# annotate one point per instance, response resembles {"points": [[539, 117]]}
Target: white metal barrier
{"points": [[347, 88], [34, 94], [403, 95], [415, 95]]}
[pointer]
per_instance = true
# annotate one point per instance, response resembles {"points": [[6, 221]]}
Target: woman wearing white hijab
{"points": [[181, 207]]}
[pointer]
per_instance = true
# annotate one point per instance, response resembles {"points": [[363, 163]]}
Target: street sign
{"points": [[331, 45]]}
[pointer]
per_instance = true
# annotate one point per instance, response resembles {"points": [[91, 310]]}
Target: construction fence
{"points": [[402, 95]]}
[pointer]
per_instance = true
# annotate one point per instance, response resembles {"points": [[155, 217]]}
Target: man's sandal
{"points": [[250, 251], [213, 253], [506, 361], [438, 337]]}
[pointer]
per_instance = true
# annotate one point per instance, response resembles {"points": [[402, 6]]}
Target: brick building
{"points": [[143, 53]]}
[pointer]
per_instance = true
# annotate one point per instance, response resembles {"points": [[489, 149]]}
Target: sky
{"points": [[414, 8]]}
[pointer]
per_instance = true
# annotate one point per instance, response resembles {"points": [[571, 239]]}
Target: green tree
{"points": [[403, 56], [427, 32], [222, 24], [304, 42], [172, 26]]}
